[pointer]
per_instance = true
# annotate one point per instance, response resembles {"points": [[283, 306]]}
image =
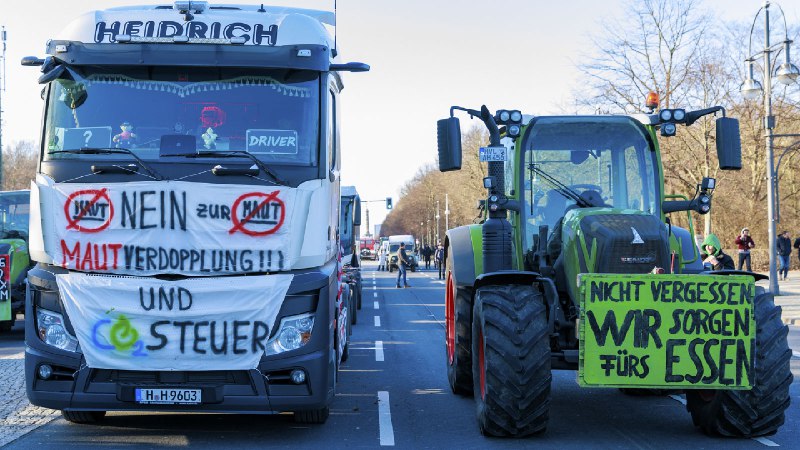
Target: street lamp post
{"points": [[786, 74], [437, 223]]}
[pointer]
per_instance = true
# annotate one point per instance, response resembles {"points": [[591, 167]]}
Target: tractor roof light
{"points": [[502, 116], [678, 115], [665, 115], [651, 102], [516, 116], [668, 129]]}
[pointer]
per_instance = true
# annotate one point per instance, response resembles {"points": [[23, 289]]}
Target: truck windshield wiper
{"points": [[234, 154], [111, 151], [561, 188]]}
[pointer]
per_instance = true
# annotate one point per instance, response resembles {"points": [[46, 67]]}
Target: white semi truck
{"points": [[184, 214]]}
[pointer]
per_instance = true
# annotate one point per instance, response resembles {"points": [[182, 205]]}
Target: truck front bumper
{"points": [[267, 389]]}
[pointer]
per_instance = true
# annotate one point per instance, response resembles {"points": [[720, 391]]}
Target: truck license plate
{"points": [[492, 154], [168, 396]]}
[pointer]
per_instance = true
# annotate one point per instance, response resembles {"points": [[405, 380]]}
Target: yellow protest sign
{"points": [[662, 331]]}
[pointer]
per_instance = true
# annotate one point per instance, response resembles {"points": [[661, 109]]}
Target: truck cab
{"points": [[184, 213]]}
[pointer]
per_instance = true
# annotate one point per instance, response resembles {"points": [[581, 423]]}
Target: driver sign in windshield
{"points": [[166, 111]]}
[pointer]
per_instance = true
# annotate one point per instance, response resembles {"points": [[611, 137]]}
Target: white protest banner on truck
{"points": [[169, 227], [133, 323]]}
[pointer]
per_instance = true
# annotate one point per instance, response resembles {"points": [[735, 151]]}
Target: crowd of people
{"points": [[427, 253], [715, 259]]}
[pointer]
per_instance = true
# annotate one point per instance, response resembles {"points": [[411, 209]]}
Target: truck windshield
{"points": [[159, 112], [606, 161]]}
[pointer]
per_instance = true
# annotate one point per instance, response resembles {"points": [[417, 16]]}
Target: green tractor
{"points": [[14, 258], [577, 266]]}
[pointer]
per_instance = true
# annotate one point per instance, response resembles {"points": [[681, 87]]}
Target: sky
{"points": [[425, 56]]}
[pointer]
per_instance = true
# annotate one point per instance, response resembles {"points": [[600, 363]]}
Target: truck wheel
{"points": [[358, 292], [353, 301], [458, 332], [760, 411], [312, 416], [6, 325], [83, 416], [511, 361]]}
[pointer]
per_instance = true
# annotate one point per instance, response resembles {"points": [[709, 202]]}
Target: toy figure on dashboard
{"points": [[209, 139], [126, 137]]}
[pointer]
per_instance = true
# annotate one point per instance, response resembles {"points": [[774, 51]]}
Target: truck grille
{"points": [[177, 377]]}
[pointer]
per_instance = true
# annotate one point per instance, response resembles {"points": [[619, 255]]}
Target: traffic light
{"points": [[388, 202]]}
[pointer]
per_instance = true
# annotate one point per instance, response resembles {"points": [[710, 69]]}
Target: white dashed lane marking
{"points": [[385, 419], [378, 350], [377, 321], [375, 305]]}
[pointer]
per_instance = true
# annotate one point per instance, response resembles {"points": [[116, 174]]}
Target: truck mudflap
{"points": [[667, 331]]}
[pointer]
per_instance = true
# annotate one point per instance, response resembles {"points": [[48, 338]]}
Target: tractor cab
{"points": [[586, 162]]}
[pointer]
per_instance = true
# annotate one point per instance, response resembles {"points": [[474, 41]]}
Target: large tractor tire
{"points": [[759, 411], [511, 361], [458, 332]]}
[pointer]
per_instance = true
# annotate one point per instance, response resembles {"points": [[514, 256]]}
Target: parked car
{"points": [[394, 245]]}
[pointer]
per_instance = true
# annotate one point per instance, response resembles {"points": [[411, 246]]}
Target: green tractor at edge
{"points": [[14, 258], [577, 266]]}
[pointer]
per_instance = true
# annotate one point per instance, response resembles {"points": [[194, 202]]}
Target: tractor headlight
{"points": [[668, 129], [665, 115], [679, 115], [516, 116], [293, 333], [52, 331]]}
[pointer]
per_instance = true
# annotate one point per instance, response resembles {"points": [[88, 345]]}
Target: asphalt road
{"points": [[393, 391]]}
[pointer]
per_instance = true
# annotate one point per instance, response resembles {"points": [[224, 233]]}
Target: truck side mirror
{"points": [[729, 144], [357, 212], [448, 135]]}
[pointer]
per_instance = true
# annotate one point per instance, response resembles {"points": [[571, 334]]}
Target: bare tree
{"points": [[19, 165]]}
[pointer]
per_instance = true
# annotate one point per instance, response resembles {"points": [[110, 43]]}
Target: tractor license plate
{"points": [[667, 331], [493, 154], [169, 396]]}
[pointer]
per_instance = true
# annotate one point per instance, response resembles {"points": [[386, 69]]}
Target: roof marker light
{"points": [[652, 100]]}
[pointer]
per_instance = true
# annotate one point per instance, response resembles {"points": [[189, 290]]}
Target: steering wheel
{"points": [[595, 199], [585, 187]]}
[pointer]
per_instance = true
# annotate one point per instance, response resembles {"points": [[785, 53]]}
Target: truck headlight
{"points": [[293, 333], [51, 330]]}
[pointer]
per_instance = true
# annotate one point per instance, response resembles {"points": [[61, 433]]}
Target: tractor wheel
{"points": [[458, 332], [511, 361], [759, 411]]}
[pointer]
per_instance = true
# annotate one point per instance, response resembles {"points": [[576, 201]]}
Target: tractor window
{"points": [[605, 159]]}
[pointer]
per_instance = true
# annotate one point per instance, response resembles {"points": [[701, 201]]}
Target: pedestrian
{"points": [[713, 256], [402, 262], [381, 260], [784, 252], [797, 246], [745, 243], [426, 255], [439, 257]]}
